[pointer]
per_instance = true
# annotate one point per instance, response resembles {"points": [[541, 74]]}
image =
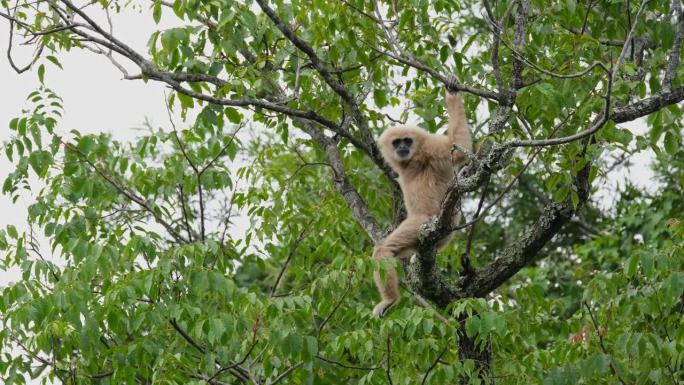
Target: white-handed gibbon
{"points": [[425, 163]]}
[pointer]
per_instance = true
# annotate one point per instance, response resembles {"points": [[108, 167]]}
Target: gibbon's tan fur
{"points": [[425, 163]]}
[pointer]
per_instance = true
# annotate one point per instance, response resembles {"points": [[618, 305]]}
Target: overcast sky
{"points": [[96, 99]]}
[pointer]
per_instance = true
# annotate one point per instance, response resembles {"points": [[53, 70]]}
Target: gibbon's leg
{"points": [[400, 241]]}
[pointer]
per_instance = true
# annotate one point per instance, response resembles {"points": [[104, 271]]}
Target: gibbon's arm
{"points": [[458, 126]]}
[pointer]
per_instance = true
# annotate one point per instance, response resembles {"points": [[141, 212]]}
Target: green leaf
{"points": [[12, 232], [671, 143], [380, 97], [54, 61], [41, 73], [233, 115], [157, 11], [632, 264]]}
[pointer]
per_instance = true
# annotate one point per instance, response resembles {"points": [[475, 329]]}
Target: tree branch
{"points": [[131, 195], [291, 254], [519, 41], [351, 196], [234, 369], [388, 366], [36, 56], [613, 369], [336, 85], [198, 175], [647, 106], [446, 80], [255, 330], [337, 305], [287, 372], [676, 50], [347, 366], [516, 256], [433, 365], [174, 79]]}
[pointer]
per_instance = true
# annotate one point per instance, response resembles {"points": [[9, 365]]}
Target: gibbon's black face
{"points": [[402, 147]]}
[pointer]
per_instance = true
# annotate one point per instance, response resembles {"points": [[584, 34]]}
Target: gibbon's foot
{"points": [[381, 308]]}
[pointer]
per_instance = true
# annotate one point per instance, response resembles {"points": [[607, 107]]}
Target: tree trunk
{"points": [[468, 349]]}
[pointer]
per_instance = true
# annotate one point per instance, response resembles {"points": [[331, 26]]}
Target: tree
{"points": [[540, 286]]}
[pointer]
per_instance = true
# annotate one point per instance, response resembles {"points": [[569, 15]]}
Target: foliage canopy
{"points": [[146, 278]]}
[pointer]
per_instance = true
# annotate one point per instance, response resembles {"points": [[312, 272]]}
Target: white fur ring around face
{"points": [[381, 308]]}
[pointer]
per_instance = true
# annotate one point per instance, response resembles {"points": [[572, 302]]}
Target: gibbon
{"points": [[425, 163]]}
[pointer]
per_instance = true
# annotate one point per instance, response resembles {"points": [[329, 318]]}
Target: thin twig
{"points": [[337, 305], [613, 369], [291, 254], [287, 372], [186, 336], [606, 113], [255, 330], [434, 364], [185, 213], [337, 86], [424, 303], [223, 149], [586, 16], [347, 366], [389, 362], [198, 175], [18, 70], [236, 370], [465, 260], [444, 79], [131, 195]]}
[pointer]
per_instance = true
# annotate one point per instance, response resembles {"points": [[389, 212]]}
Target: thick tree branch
{"points": [[486, 162], [509, 261], [676, 51], [513, 258], [519, 41], [425, 277], [648, 106], [351, 196]]}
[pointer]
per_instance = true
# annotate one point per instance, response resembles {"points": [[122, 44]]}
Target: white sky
{"points": [[95, 98]]}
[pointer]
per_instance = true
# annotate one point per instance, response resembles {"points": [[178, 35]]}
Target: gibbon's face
{"points": [[403, 148], [402, 145]]}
